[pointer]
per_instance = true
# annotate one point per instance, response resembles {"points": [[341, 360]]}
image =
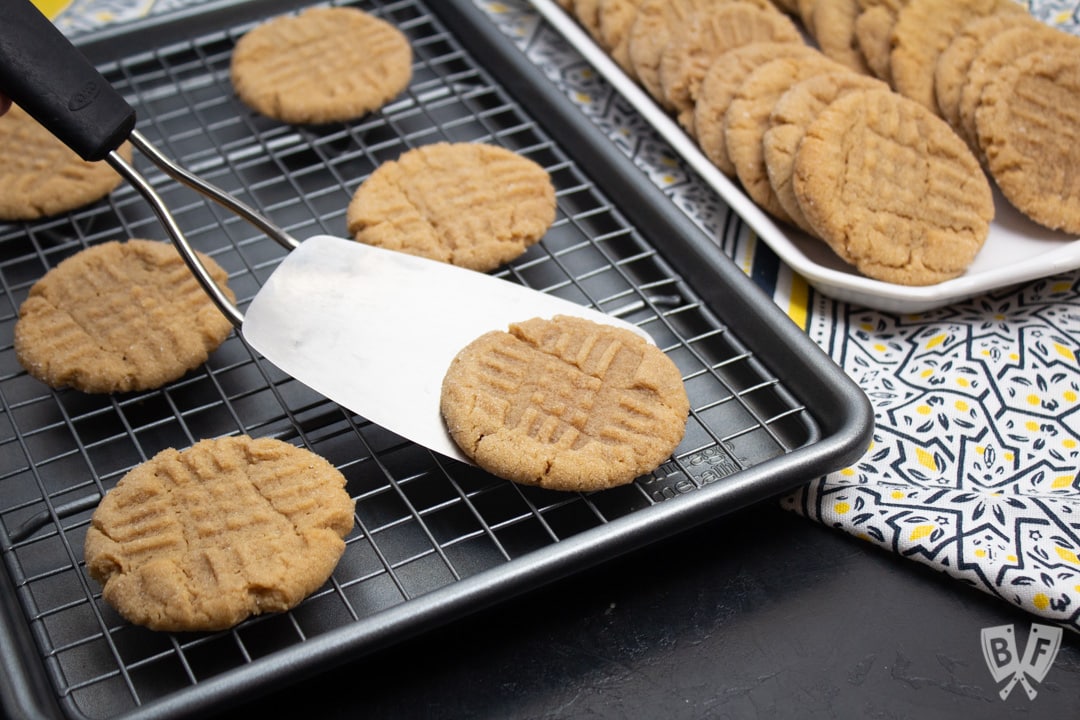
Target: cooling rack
{"points": [[434, 539]]}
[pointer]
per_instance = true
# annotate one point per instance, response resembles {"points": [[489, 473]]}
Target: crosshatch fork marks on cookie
{"points": [[565, 404]]}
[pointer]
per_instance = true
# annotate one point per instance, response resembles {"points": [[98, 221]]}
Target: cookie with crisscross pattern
{"points": [[40, 176], [565, 404], [325, 64], [892, 189], [120, 317], [468, 204], [203, 538]]}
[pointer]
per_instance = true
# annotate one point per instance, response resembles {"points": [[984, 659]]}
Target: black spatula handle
{"points": [[49, 78]]}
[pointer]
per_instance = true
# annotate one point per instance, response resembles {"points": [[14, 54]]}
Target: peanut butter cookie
{"points": [[834, 30], [791, 115], [565, 404], [654, 25], [954, 63], [747, 119], [119, 317], [40, 176], [873, 31], [718, 88], [326, 64], [705, 36], [1000, 51], [892, 189], [616, 19], [200, 539], [1028, 122], [469, 204], [923, 30]]}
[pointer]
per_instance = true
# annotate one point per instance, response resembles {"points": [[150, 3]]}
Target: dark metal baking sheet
{"points": [[435, 539]]}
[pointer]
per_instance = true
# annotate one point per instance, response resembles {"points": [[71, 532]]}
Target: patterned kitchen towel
{"points": [[973, 466]]}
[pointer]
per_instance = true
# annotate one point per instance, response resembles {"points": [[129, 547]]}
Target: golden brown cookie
{"points": [[119, 317], [203, 538], [719, 86], [747, 119], [468, 204], [1028, 122], [892, 6], [587, 13], [923, 30], [653, 28], [649, 35], [790, 117], [707, 34], [40, 176], [804, 10], [999, 52], [951, 71], [326, 64], [834, 30], [616, 19], [873, 31], [565, 404], [892, 189]]}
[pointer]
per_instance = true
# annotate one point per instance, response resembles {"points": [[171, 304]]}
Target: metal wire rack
{"points": [[432, 536]]}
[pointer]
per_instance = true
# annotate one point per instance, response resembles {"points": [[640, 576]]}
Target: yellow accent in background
{"points": [[798, 305], [926, 459], [51, 8], [921, 531], [1040, 601], [1067, 555]]}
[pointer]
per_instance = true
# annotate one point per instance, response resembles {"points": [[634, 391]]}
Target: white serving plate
{"points": [[1017, 250]]}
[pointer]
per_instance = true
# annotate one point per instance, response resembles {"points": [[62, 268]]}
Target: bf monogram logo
{"points": [[1006, 664]]}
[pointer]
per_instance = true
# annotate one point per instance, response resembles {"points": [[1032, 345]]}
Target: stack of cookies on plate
{"points": [[870, 124]]}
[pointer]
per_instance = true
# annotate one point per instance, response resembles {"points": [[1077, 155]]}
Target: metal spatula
{"points": [[374, 330]]}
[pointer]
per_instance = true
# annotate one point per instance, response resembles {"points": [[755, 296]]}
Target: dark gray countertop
{"points": [[758, 614]]}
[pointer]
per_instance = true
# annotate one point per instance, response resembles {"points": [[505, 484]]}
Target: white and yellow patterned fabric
{"points": [[974, 463]]}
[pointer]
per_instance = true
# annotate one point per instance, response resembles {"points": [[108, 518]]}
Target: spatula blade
{"points": [[375, 330]]}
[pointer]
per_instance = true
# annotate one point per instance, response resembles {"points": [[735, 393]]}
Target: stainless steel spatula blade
{"points": [[375, 330]]}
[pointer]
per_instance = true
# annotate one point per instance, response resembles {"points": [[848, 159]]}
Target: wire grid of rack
{"points": [[431, 534]]}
